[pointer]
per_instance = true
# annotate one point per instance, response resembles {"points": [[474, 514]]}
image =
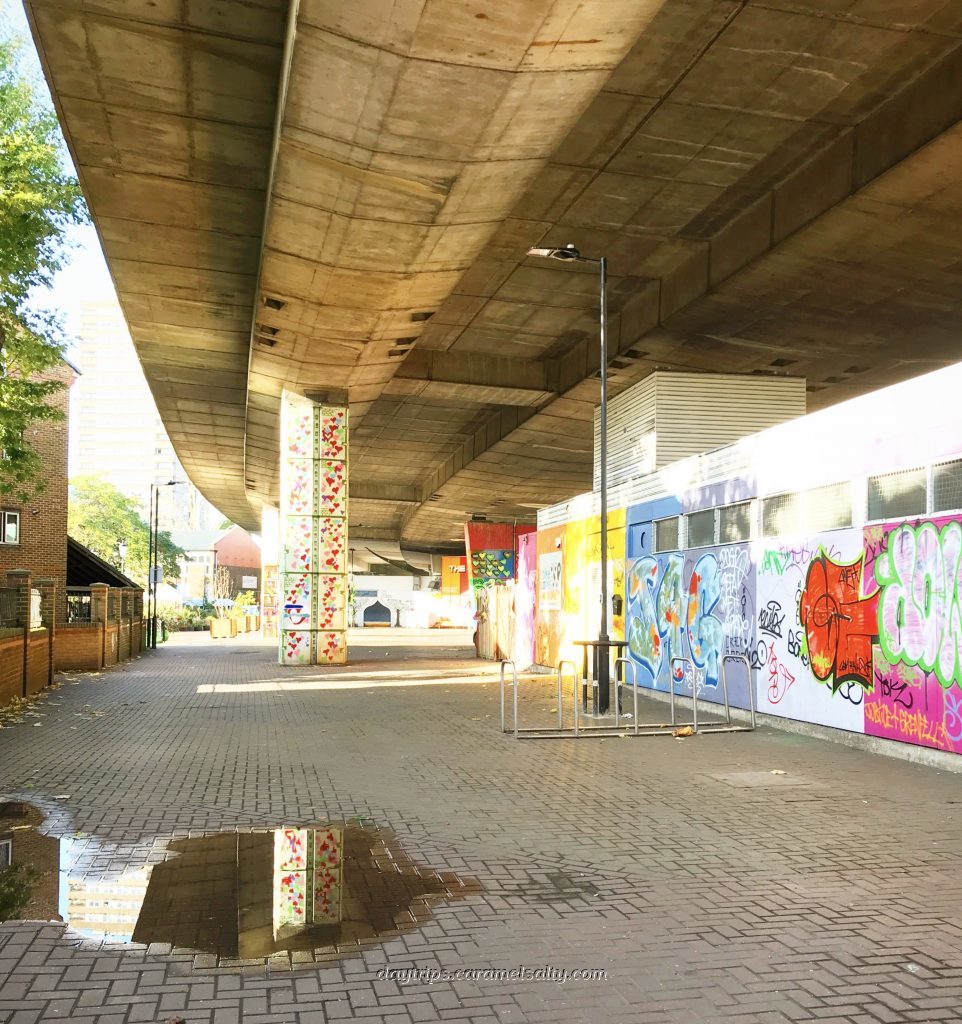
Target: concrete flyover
{"points": [[337, 198]]}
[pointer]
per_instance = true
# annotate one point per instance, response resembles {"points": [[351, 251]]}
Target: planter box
{"points": [[223, 629], [241, 624]]}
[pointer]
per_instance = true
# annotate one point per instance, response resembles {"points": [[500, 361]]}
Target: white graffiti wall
{"points": [[785, 683]]}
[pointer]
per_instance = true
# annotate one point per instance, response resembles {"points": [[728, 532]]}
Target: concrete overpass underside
{"points": [[337, 198]]}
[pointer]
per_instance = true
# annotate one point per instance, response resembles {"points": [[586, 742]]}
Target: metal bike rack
{"points": [[514, 675], [751, 692], [536, 732], [624, 670], [728, 725], [628, 664], [694, 691], [574, 677], [707, 727]]}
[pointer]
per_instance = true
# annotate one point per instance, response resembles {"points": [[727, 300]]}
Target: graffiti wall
{"points": [[812, 652], [549, 575], [523, 650], [569, 586], [696, 605], [913, 693], [854, 629]]}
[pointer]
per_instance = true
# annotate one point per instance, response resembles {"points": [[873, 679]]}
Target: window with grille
{"points": [[666, 534], [782, 514], [9, 527], [700, 527], [828, 508], [897, 495], [947, 486], [735, 523]]}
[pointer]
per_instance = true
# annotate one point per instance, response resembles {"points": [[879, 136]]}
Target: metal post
{"points": [[514, 670], [574, 677], [150, 564], [634, 686], [603, 653], [153, 620], [560, 677]]}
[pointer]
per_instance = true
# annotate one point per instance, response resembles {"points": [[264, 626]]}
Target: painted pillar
{"points": [[270, 571], [314, 582]]}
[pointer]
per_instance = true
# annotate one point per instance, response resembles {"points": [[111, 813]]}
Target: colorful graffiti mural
{"points": [[855, 629], [858, 630], [699, 608], [491, 565]]}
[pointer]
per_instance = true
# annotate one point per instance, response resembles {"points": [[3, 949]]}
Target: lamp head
{"points": [[565, 253]]}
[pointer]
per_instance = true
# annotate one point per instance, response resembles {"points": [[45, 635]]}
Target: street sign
{"points": [[156, 575]]}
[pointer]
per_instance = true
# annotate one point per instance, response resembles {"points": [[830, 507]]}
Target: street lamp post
{"points": [[570, 254], [153, 511]]}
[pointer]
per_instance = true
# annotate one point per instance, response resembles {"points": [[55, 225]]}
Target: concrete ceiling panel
{"points": [[223, 288]]}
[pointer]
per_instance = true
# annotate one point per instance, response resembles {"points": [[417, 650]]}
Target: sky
{"points": [[85, 275]]}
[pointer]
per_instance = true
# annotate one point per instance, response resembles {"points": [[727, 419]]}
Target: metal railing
{"points": [[79, 605]]}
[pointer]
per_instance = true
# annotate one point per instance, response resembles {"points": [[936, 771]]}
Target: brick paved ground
{"points": [[708, 888]]}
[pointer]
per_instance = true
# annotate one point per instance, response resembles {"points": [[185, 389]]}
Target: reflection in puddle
{"points": [[242, 895]]}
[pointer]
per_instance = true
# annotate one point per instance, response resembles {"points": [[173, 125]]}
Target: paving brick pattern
{"points": [[708, 888]]}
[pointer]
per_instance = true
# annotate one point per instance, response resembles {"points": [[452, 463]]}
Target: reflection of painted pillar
{"points": [[313, 533], [308, 879]]}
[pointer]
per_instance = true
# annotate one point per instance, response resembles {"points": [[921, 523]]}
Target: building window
{"points": [[700, 527], [9, 527], [666, 534], [781, 515], [803, 512], [6, 853], [828, 508], [947, 486], [897, 495], [735, 523]]}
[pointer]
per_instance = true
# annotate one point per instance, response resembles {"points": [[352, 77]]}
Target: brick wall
{"points": [[43, 519], [78, 648], [111, 644], [11, 667], [11, 664], [38, 667]]}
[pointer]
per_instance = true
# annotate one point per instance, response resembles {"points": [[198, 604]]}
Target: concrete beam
{"points": [[363, 490], [475, 378]]}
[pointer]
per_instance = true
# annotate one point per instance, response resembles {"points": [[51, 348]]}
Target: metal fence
{"points": [[78, 605]]}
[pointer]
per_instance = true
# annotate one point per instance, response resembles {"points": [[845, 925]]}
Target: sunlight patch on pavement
{"points": [[341, 683]]}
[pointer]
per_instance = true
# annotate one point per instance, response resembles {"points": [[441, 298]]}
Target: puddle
{"points": [[330, 889]]}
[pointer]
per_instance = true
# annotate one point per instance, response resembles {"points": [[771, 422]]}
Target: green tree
{"points": [[39, 200], [100, 516]]}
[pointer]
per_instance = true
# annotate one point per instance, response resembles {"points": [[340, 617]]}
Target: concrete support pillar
{"points": [[313, 533]]}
